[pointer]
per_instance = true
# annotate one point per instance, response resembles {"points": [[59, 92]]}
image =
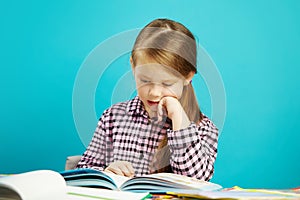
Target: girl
{"points": [[162, 129]]}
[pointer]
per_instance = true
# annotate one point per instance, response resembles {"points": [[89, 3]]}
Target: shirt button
{"points": [[142, 156]]}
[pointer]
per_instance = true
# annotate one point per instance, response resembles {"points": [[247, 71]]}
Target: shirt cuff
{"points": [[184, 137]]}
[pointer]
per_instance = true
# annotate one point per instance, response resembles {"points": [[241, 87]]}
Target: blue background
{"points": [[255, 45]]}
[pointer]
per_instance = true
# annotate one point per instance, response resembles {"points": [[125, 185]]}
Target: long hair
{"points": [[171, 44]]}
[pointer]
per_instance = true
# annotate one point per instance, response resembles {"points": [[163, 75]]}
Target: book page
{"points": [[185, 181], [35, 185], [119, 180]]}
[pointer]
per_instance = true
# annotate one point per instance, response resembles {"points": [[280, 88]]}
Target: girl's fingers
{"points": [[130, 168], [127, 169], [160, 109], [115, 170], [122, 168]]}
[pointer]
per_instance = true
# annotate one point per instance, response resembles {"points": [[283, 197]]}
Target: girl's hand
{"points": [[172, 107], [122, 168]]}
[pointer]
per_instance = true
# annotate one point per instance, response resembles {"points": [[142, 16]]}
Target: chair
{"points": [[72, 161]]}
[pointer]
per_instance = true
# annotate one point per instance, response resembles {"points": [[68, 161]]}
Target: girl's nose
{"points": [[155, 90]]}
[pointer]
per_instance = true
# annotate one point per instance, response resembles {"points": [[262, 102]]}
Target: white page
{"points": [[187, 181], [82, 193], [36, 185], [119, 180]]}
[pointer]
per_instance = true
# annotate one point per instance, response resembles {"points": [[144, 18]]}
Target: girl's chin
{"points": [[152, 108]]}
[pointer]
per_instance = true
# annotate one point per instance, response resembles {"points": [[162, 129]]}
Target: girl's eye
{"points": [[167, 84], [145, 81]]}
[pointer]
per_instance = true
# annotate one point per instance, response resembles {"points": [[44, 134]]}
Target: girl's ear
{"points": [[189, 78], [131, 61]]}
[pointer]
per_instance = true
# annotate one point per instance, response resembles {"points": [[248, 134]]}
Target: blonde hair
{"points": [[171, 44]]}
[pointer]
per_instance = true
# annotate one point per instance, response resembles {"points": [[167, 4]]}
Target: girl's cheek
{"points": [[175, 92]]}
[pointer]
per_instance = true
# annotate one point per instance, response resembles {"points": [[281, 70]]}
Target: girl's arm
{"points": [[193, 146], [99, 151], [95, 155], [194, 149]]}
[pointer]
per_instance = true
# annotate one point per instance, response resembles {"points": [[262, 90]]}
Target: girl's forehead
{"points": [[155, 71]]}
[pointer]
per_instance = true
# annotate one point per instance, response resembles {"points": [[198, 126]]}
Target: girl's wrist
{"points": [[180, 120]]}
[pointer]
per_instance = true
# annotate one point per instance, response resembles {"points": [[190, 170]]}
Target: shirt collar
{"points": [[136, 106]]}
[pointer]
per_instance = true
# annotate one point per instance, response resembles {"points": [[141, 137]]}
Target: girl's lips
{"points": [[152, 103]]}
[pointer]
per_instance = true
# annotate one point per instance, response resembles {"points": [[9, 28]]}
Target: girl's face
{"points": [[155, 81]]}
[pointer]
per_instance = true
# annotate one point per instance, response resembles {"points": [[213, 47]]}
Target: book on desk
{"points": [[146, 183], [88, 184]]}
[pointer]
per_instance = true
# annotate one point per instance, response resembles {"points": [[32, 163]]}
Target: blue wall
{"points": [[254, 44]]}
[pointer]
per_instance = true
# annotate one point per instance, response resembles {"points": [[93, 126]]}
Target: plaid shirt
{"points": [[125, 133]]}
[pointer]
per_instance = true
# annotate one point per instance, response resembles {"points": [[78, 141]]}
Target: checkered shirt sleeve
{"points": [[194, 149], [95, 155]]}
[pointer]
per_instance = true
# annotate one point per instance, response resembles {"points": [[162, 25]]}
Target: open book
{"points": [[147, 183], [50, 185]]}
